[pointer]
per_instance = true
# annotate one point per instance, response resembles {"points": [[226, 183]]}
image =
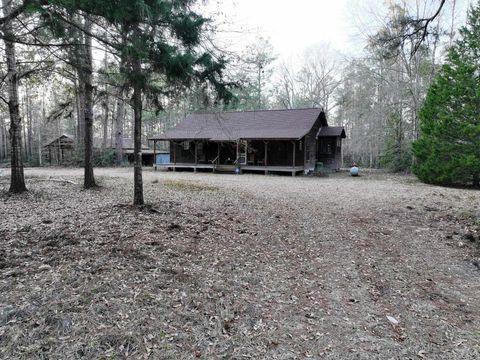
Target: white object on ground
{"points": [[392, 320]]}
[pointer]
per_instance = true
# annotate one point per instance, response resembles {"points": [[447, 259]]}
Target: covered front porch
{"points": [[252, 155]]}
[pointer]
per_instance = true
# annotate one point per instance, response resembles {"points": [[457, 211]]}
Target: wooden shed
{"points": [[60, 149], [128, 150], [282, 141]]}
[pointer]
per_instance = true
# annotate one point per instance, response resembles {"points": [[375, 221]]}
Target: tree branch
{"points": [[15, 12]]}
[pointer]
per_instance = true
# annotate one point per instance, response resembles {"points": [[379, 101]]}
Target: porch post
{"points": [[341, 153], [336, 157], [174, 154], [238, 142], [238, 156], [218, 157], [305, 152], [59, 159], [196, 157], [155, 154], [293, 162], [266, 157]]}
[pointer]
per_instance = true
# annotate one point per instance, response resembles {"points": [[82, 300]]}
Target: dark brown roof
{"points": [[332, 131], [228, 126], [64, 138]]}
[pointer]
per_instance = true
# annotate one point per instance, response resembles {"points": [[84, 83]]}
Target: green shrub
{"points": [[104, 158]]}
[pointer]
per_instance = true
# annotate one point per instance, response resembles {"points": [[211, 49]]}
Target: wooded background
{"points": [[376, 95]]}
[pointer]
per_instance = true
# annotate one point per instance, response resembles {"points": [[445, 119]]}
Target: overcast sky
{"points": [[294, 25], [291, 25]]}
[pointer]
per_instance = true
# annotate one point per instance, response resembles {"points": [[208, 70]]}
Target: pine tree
{"points": [[17, 179], [77, 29], [448, 150], [160, 49]]}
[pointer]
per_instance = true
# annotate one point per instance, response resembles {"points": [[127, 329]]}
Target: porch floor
{"points": [[231, 168]]}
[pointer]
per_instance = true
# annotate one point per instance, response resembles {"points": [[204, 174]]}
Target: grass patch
{"points": [[188, 186], [469, 216]]}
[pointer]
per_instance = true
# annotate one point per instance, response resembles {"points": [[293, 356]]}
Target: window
{"points": [[300, 145], [326, 146], [186, 145], [329, 149]]}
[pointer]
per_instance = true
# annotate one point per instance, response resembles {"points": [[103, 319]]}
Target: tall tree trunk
{"points": [[137, 108], [106, 106], [24, 141], [119, 117], [1, 138], [120, 114], [112, 125], [3, 149], [79, 59], [105, 123], [30, 125], [5, 141], [17, 179], [39, 144], [39, 128], [79, 101], [81, 112], [89, 179], [259, 94]]}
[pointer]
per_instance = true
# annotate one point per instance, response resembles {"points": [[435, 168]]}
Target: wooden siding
{"points": [[329, 152], [311, 153]]}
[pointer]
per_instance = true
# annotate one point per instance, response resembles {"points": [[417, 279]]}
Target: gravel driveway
{"points": [[239, 266]]}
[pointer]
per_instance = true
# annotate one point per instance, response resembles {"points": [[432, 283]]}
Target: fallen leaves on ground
{"points": [[224, 266]]}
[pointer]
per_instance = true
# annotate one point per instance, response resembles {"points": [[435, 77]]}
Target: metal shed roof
{"points": [[230, 126]]}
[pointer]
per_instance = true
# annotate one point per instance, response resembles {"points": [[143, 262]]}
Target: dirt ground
{"points": [[238, 267]]}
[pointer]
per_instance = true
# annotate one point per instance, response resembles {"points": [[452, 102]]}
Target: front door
{"points": [[242, 152]]}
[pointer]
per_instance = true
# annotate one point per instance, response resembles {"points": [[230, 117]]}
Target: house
{"points": [[280, 141]]}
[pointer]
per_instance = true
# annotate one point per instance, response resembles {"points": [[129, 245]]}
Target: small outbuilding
{"points": [[280, 141], [60, 149], [127, 149]]}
